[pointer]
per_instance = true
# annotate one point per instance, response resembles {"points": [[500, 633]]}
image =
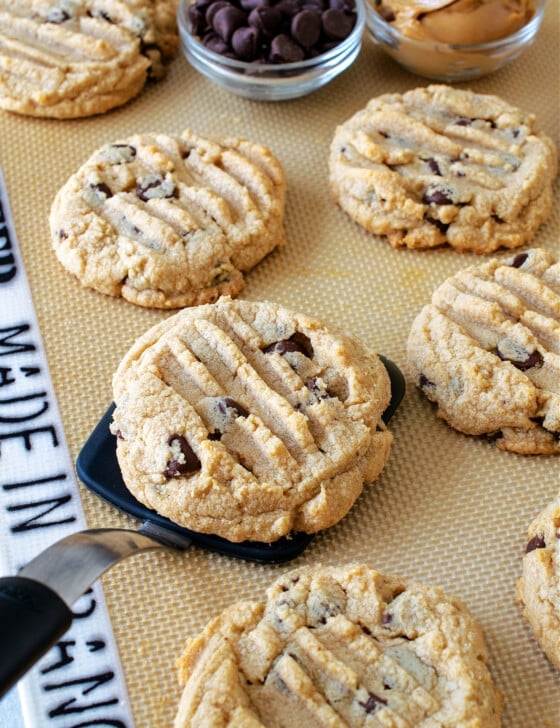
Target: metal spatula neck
{"points": [[70, 566]]}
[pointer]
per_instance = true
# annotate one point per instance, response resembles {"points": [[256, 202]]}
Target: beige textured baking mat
{"points": [[448, 509]]}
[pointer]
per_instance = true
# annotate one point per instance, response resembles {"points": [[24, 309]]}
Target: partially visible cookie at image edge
{"points": [[340, 646], [441, 165], [538, 588], [170, 221], [249, 421], [68, 59], [486, 350]]}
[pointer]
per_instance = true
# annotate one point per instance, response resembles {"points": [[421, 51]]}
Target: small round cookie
{"points": [[487, 351], [538, 588], [169, 221], [67, 59], [249, 421], [340, 646], [442, 165]]}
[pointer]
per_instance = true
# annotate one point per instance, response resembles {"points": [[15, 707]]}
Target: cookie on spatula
{"points": [[249, 421]]}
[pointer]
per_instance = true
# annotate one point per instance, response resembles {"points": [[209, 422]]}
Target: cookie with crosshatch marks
{"points": [[67, 59], [249, 421], [442, 165], [486, 350], [170, 221], [340, 646], [538, 588]]}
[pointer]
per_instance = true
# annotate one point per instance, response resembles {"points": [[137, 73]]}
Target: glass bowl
{"points": [[270, 81], [451, 62]]}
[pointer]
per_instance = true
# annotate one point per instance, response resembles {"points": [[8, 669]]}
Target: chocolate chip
{"points": [[102, 190], [155, 186], [213, 8], [342, 4], [214, 43], [227, 403], [196, 19], [519, 259], [62, 234], [434, 166], [288, 8], [437, 196], [297, 342], [227, 20], [266, 20], [386, 619], [423, 382], [443, 227], [245, 43], [306, 28], [284, 50], [537, 542], [337, 24], [372, 703], [249, 5], [535, 359], [464, 121], [103, 14], [57, 16], [121, 153], [188, 463], [316, 389]]}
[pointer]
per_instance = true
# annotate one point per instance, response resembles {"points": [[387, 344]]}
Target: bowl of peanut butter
{"points": [[454, 40]]}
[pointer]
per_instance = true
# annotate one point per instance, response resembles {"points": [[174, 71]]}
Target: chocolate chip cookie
{"points": [[340, 646], [74, 58], [442, 165], [170, 221], [486, 350], [249, 421], [538, 588]]}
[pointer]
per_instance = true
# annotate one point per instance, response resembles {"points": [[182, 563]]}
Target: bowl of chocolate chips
{"points": [[271, 50]]}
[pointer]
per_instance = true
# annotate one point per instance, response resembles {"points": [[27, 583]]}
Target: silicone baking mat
{"points": [[448, 509]]}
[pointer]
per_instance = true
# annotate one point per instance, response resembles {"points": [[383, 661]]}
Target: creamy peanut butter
{"points": [[456, 21]]}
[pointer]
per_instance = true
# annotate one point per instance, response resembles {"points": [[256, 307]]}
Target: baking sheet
{"points": [[448, 509]]}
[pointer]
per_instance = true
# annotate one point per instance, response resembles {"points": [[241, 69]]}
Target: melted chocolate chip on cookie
{"points": [[185, 461]]}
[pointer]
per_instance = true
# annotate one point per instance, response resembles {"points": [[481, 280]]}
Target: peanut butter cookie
{"points": [[442, 165], [538, 588], [167, 222], [73, 58], [340, 646], [487, 351], [249, 421]]}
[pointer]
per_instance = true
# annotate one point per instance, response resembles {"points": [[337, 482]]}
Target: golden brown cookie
{"points": [[169, 221], [340, 646], [538, 588], [249, 421], [73, 58], [486, 350], [442, 165]]}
